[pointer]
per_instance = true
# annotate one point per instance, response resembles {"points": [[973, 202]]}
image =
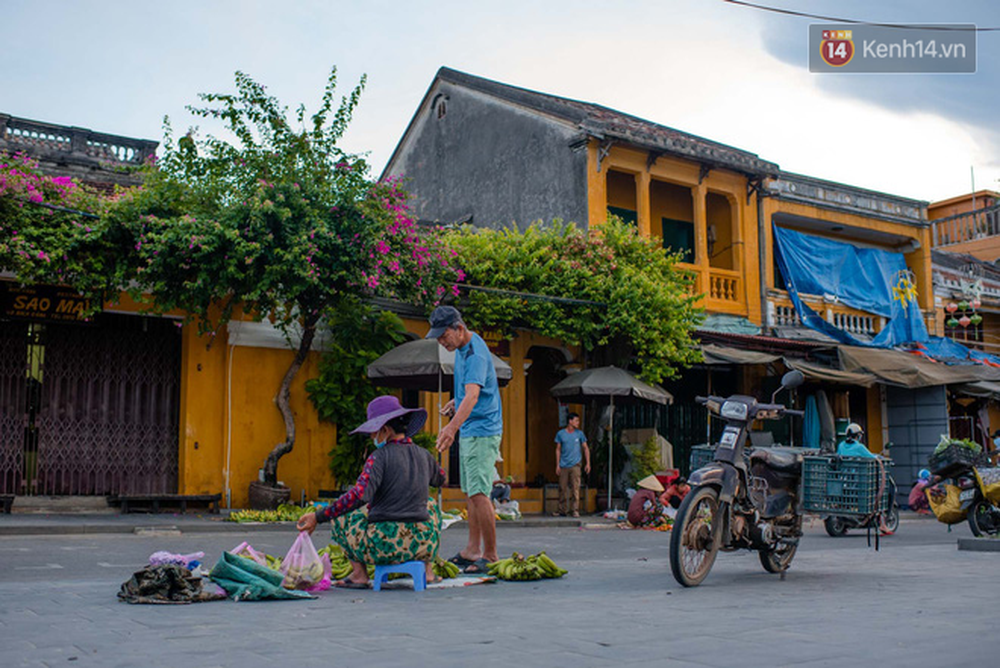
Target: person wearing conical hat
{"points": [[645, 509]]}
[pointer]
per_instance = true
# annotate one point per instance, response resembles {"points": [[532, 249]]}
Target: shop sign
{"points": [[498, 344], [41, 302]]}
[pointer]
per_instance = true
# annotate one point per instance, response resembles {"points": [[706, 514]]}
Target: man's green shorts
{"points": [[478, 457]]}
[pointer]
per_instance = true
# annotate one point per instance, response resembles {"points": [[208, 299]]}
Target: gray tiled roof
{"points": [[603, 123]]}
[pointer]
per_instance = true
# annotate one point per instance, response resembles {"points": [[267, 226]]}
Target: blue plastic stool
{"points": [[415, 569]]}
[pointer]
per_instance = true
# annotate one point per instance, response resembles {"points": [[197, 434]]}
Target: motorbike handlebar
{"points": [[705, 400], [789, 411]]}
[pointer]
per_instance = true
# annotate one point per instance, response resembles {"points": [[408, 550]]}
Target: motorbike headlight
{"points": [[734, 410]]}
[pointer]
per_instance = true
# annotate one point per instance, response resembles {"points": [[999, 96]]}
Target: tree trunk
{"points": [[281, 399]]}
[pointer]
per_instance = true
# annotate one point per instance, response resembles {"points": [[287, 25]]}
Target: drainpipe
{"points": [[762, 260]]}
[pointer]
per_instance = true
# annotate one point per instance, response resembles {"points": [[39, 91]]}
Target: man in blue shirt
{"points": [[478, 417], [571, 449]]}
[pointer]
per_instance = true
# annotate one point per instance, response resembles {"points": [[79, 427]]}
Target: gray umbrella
{"points": [[614, 383], [422, 365]]}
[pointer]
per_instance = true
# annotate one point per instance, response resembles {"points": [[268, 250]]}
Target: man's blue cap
{"points": [[441, 319]]}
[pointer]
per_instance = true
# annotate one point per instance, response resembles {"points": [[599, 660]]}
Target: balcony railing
{"points": [[725, 291], [861, 324], [852, 321], [47, 139], [965, 227]]}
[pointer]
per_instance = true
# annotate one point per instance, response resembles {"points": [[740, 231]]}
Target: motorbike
{"points": [[983, 515], [740, 502], [838, 525]]}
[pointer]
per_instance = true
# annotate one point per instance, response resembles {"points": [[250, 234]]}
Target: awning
{"points": [[982, 388], [716, 354], [831, 375], [909, 370]]}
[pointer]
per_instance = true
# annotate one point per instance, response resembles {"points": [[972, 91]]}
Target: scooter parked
{"points": [[734, 504]]}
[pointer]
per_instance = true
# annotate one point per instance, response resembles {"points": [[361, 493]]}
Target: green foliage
{"points": [[646, 460], [279, 222], [50, 232], [359, 334], [642, 307]]}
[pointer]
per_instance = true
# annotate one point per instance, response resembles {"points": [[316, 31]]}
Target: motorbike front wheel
{"points": [[692, 541], [835, 526], [984, 518]]}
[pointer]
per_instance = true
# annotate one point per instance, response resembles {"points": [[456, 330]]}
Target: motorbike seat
{"points": [[778, 460]]}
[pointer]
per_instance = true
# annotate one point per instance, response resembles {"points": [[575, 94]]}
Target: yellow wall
{"points": [[253, 426], [674, 188]]}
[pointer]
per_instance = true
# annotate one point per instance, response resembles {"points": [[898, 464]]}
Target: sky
{"points": [[725, 72]]}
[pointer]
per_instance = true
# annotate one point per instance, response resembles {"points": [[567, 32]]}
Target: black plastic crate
{"points": [[835, 485], [955, 460]]}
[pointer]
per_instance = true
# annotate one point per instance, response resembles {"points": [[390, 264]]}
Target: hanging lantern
{"points": [[951, 322], [951, 307], [963, 305], [975, 304], [964, 321], [975, 319]]}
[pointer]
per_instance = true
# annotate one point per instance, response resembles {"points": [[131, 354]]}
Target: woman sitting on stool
{"points": [[400, 523]]}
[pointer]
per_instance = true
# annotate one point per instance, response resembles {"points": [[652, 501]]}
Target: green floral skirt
{"points": [[387, 542]]}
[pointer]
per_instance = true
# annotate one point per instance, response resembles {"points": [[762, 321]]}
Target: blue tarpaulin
{"points": [[867, 279]]}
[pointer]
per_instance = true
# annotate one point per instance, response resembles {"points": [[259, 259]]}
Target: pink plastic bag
{"points": [[303, 568], [244, 549]]}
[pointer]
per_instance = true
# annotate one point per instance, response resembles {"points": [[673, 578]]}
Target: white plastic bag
{"points": [[508, 510]]}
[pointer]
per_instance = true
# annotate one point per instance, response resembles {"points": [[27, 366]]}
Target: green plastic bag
{"points": [[245, 580]]}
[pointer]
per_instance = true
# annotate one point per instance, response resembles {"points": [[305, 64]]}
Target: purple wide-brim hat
{"points": [[383, 409]]}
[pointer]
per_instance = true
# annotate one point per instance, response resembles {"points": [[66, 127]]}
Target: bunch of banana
{"points": [[284, 513], [340, 567], [274, 563], [519, 567], [445, 569], [254, 516]]}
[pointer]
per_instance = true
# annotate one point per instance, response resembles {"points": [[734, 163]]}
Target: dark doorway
{"points": [[89, 409]]}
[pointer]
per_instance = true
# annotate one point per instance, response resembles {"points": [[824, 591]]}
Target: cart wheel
{"points": [[835, 526]]}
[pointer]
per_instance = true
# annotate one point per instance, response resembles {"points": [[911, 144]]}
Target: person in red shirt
{"points": [[675, 492]]}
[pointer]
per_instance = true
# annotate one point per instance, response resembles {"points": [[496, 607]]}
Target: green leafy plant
{"points": [[617, 294], [646, 460]]}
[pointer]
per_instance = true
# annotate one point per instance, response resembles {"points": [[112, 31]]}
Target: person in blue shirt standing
{"points": [[478, 418], [571, 450]]}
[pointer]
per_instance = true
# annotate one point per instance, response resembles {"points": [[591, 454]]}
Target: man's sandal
{"points": [[477, 567], [461, 561]]}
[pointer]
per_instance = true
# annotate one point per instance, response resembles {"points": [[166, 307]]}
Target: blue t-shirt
{"points": [[854, 449], [474, 365], [570, 451]]}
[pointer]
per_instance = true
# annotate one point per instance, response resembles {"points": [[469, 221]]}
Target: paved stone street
{"points": [[917, 602]]}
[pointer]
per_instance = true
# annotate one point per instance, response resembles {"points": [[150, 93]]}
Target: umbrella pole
{"points": [[440, 509], [708, 418], [611, 448]]}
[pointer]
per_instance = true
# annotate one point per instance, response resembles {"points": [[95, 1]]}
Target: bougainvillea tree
{"points": [[50, 231], [276, 221]]}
